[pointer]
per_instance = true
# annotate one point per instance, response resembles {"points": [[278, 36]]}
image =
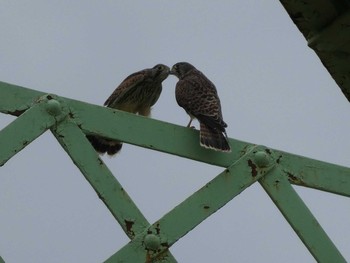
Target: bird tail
{"points": [[103, 145], [213, 139]]}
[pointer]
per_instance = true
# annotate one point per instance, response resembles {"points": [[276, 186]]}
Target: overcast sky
{"points": [[274, 91]]}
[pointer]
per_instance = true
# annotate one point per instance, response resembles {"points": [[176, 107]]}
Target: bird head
{"points": [[181, 69], [161, 71]]}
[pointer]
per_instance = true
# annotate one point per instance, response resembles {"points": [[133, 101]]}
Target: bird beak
{"points": [[172, 72]]}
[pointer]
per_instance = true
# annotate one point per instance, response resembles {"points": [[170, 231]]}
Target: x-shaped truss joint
{"points": [[261, 161]]}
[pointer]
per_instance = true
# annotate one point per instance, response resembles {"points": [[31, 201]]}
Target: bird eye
{"points": [[159, 67]]}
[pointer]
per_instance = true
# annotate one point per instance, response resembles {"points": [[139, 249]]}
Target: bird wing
{"points": [[121, 93], [198, 96]]}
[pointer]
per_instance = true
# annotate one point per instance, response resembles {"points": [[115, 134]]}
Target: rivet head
{"points": [[53, 107], [261, 159], [152, 242]]}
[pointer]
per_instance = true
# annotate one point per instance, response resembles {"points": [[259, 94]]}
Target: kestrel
{"points": [[136, 94], [198, 96]]}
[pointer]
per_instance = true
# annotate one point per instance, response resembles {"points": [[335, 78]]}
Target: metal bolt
{"points": [[53, 107], [261, 159], [152, 242]]}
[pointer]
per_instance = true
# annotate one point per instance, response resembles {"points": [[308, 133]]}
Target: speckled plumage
{"points": [[198, 96], [136, 94]]}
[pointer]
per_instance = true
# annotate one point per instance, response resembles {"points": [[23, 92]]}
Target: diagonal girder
{"points": [[30, 125], [300, 218], [109, 190], [107, 187], [196, 208], [312, 173]]}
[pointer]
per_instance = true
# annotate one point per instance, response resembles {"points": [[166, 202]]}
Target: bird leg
{"points": [[189, 124]]}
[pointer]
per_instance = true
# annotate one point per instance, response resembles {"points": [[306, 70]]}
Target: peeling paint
{"points": [[157, 228], [253, 167], [100, 161], [279, 159], [128, 226], [294, 179], [15, 112], [165, 244]]}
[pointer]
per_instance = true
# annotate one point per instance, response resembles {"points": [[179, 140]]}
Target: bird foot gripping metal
{"points": [[71, 120]]}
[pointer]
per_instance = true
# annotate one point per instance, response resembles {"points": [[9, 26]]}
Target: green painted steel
{"points": [[19, 99], [109, 190], [180, 141], [28, 127], [70, 120], [107, 187], [300, 218], [315, 174], [196, 208]]}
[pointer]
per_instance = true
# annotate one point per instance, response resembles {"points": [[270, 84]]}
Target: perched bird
{"points": [[198, 96], [136, 94]]}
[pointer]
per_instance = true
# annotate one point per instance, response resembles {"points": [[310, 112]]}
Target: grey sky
{"points": [[274, 91]]}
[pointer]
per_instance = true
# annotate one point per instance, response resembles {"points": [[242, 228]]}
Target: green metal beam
{"points": [[30, 125], [124, 126], [100, 178], [15, 100], [300, 218], [311, 173], [70, 120], [107, 187], [181, 141], [196, 208]]}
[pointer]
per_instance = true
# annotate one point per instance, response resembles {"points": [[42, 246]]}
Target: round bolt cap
{"points": [[53, 107], [261, 159], [152, 241]]}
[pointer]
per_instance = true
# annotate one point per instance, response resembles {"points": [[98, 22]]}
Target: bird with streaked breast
{"points": [[136, 94], [198, 96]]}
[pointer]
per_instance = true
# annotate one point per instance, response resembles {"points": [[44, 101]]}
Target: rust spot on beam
{"points": [[16, 112], [128, 226], [157, 228], [165, 244], [294, 179], [276, 184], [253, 167], [268, 151], [279, 159]]}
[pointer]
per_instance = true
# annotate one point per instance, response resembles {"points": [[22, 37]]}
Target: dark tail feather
{"points": [[213, 139], [103, 145]]}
